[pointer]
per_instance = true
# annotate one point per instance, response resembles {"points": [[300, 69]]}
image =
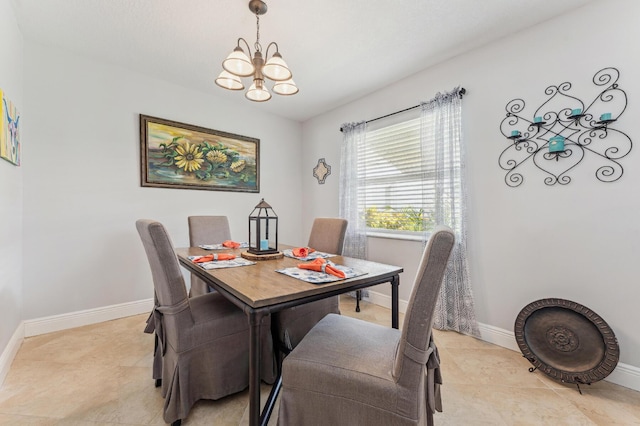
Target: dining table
{"points": [[259, 289]]}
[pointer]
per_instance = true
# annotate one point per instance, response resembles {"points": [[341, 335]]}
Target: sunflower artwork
{"points": [[178, 155]]}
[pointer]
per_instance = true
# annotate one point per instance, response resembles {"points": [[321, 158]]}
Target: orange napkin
{"points": [[212, 257], [230, 244], [321, 265], [302, 251]]}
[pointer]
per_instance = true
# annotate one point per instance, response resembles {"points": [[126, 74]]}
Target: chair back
{"points": [[208, 230], [414, 347], [168, 281], [327, 234]]}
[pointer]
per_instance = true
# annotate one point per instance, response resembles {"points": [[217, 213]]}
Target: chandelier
{"points": [[238, 64]]}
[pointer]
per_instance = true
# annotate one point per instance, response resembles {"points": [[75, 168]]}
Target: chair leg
{"points": [[358, 298], [177, 423], [158, 383], [271, 400]]}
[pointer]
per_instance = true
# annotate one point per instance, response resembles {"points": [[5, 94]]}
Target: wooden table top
{"points": [[260, 285]]}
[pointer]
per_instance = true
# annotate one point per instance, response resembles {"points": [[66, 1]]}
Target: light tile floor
{"points": [[101, 375]]}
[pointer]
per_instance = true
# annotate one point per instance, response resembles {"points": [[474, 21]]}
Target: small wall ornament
{"points": [[321, 171], [563, 131]]}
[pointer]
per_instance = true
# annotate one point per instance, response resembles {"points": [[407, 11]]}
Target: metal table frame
{"points": [[256, 313]]}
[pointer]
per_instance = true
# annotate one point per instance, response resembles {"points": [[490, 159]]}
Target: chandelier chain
{"points": [[257, 46]]}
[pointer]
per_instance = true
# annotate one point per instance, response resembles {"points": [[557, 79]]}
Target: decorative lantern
{"points": [[263, 230]]}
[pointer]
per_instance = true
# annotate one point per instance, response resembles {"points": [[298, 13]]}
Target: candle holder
{"points": [[556, 144]]}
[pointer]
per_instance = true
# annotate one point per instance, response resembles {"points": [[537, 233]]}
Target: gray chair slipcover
{"points": [[351, 372], [203, 340], [150, 327], [206, 230], [202, 230], [292, 324]]}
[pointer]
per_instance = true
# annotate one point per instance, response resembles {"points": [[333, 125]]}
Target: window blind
{"points": [[397, 175]]}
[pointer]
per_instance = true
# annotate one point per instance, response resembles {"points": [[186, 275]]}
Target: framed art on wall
{"points": [[183, 156], [9, 131]]}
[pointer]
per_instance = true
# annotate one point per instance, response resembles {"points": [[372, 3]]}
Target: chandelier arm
{"points": [[246, 44], [266, 56]]}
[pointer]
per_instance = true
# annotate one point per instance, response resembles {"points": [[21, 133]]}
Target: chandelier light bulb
{"points": [[238, 63], [229, 81], [286, 87], [258, 92], [276, 68]]}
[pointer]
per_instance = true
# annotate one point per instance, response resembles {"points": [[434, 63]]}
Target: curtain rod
{"points": [[461, 92]]}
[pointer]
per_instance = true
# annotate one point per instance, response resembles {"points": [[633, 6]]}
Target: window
{"points": [[397, 174]]}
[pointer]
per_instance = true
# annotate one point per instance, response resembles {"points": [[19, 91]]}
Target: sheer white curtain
{"points": [[353, 142], [443, 162]]}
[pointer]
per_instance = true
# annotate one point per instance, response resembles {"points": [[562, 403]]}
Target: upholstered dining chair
{"points": [[204, 340], [206, 230], [350, 372], [202, 230], [291, 325]]}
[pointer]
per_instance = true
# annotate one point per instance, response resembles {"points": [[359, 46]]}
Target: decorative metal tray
{"points": [[567, 341]]}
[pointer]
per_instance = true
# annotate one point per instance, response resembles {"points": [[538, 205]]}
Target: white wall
{"points": [[579, 241], [82, 192], [11, 181]]}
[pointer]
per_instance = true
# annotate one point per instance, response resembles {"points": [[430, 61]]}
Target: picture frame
{"points": [[10, 146], [183, 156]]}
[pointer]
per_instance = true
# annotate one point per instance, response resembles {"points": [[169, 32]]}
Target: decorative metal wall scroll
{"points": [[321, 171], [562, 132]]}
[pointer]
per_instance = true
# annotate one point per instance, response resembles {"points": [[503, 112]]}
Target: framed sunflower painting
{"points": [[183, 156]]}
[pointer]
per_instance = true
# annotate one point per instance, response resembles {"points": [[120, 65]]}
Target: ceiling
{"points": [[338, 50]]}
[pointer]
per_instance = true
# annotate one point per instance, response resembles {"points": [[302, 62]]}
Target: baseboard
{"points": [[385, 301], [53, 323], [498, 336], [624, 374], [10, 351]]}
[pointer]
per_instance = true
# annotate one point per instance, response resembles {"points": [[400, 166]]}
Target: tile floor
{"points": [[100, 375]]}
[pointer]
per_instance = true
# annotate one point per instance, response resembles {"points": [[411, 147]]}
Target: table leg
{"points": [[254, 367], [395, 282]]}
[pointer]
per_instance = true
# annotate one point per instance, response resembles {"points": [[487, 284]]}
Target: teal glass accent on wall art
{"points": [[556, 144]]}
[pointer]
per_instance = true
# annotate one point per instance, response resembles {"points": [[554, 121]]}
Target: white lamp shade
{"points": [[238, 63], [229, 81], [276, 68], [287, 87], [258, 93]]}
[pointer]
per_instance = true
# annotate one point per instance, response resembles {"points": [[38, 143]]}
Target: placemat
{"points": [[310, 256], [315, 277], [220, 246], [218, 264]]}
